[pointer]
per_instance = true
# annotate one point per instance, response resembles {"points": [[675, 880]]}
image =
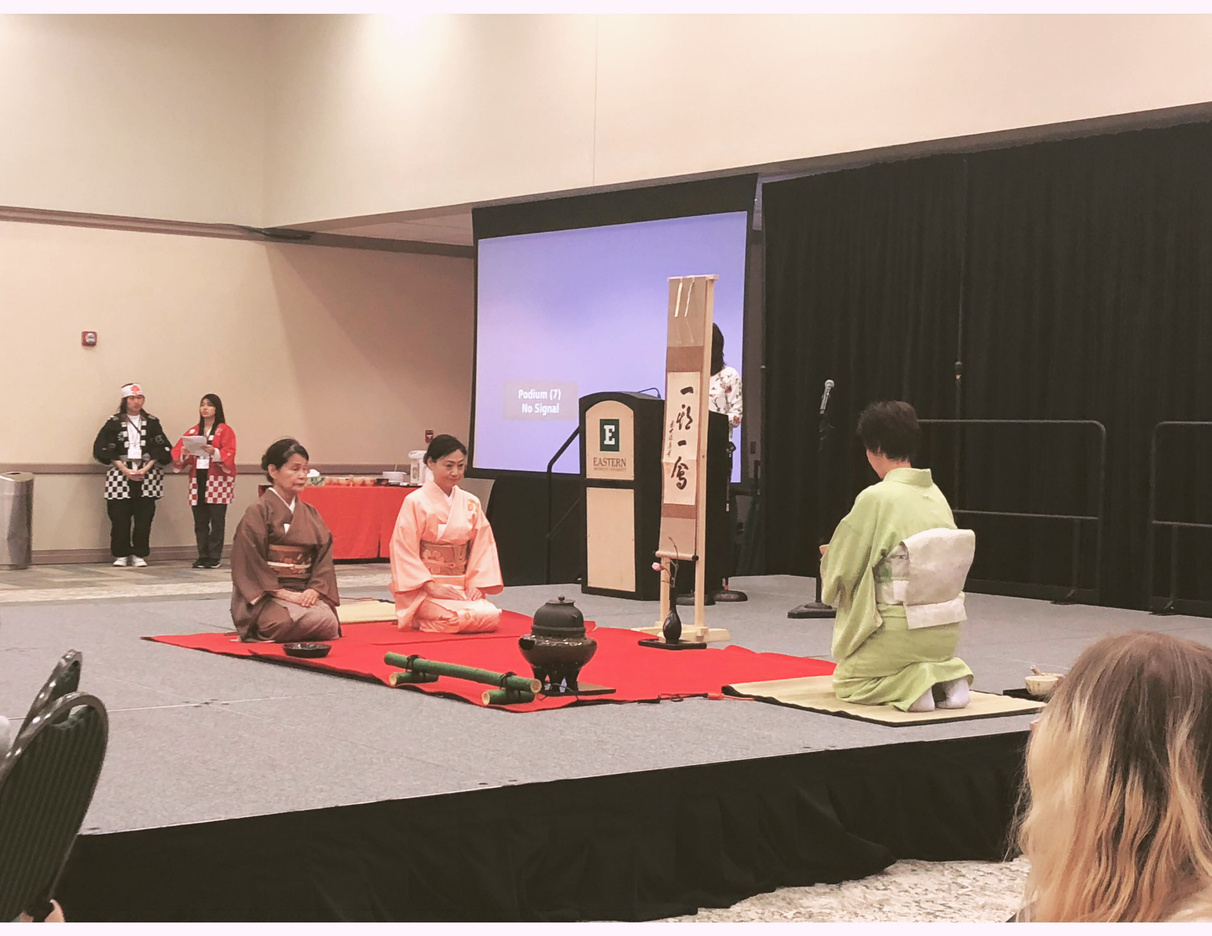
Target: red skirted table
{"points": [[361, 518]]}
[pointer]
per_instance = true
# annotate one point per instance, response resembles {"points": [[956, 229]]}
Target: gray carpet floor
{"points": [[195, 736]]}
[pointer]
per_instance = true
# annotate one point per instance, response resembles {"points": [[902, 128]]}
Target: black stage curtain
{"points": [[862, 284], [636, 846], [1086, 272], [517, 511], [1089, 290]]}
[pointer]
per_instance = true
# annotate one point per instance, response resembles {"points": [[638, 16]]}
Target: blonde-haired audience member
{"points": [[1119, 771], [54, 916]]}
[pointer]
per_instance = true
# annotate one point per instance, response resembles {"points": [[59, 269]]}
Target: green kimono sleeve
{"points": [[847, 581], [843, 564]]}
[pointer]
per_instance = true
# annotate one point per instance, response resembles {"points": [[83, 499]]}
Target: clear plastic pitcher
{"points": [[418, 473]]}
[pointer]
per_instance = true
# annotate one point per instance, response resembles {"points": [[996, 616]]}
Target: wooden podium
{"points": [[621, 468]]}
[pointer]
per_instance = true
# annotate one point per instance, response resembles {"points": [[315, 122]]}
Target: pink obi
{"points": [[446, 562]]}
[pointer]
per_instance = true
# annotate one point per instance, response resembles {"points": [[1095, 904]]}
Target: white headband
{"points": [[132, 389]]}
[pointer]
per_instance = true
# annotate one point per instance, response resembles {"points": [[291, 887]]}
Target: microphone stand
{"points": [[817, 608]]}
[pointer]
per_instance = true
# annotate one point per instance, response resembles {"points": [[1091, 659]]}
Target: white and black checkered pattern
{"points": [[118, 488], [220, 488], [111, 445]]}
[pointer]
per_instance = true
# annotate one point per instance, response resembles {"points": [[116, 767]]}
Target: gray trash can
{"points": [[16, 519]]}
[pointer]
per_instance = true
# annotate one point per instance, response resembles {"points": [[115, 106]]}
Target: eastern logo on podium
{"points": [[608, 435], [609, 441]]}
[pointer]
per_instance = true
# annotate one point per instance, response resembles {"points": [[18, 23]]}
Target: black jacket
{"points": [[107, 448]]}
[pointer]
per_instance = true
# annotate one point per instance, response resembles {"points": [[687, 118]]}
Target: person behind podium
{"points": [[724, 391], [880, 658], [284, 585], [724, 396], [443, 554]]}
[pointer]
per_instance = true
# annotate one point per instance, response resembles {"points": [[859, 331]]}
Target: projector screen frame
{"points": [[730, 194]]}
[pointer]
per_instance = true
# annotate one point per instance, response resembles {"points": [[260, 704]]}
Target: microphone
{"points": [[825, 395]]}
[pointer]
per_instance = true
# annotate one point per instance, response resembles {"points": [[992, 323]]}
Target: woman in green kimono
{"points": [[880, 657]]}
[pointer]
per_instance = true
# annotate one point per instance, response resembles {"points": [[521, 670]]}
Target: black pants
{"points": [[209, 527], [138, 509]]}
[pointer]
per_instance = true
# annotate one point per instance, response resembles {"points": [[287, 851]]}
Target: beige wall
{"points": [[763, 89], [369, 114], [139, 116], [276, 120], [355, 352], [377, 113]]}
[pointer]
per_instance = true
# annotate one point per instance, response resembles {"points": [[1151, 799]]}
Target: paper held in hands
{"points": [[196, 445]]}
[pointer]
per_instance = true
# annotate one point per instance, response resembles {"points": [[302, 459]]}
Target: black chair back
{"points": [[47, 780], [63, 679]]}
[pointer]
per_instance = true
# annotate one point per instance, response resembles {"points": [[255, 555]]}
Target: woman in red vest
{"points": [[212, 477]]}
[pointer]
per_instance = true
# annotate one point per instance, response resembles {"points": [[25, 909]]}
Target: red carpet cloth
{"points": [[637, 673]]}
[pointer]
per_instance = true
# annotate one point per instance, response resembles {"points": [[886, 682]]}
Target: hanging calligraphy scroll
{"points": [[679, 458], [684, 450], [684, 453]]}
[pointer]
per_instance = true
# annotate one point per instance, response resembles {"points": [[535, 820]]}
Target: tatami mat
{"points": [[365, 610], [815, 693]]}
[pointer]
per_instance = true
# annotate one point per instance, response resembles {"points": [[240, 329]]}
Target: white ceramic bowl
{"points": [[396, 477]]}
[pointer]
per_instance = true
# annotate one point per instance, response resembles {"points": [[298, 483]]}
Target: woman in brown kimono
{"points": [[284, 584]]}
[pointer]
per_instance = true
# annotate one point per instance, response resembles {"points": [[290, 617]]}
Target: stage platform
{"points": [[241, 790]]}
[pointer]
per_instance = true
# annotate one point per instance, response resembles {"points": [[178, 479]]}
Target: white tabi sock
{"points": [[925, 703], [953, 694]]}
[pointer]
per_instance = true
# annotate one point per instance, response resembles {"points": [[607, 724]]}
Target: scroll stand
{"points": [[693, 636], [687, 368]]}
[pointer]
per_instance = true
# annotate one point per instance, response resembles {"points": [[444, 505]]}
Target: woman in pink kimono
{"points": [[443, 553]]}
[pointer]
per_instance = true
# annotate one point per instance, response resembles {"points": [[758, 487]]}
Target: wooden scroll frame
{"points": [[684, 448]]}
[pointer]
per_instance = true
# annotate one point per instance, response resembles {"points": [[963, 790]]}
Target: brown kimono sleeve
{"points": [[323, 573], [250, 571]]}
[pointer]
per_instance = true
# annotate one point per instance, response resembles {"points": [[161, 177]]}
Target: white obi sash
{"points": [[928, 571]]}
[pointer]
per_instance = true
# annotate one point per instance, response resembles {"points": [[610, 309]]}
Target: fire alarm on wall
{"points": [[428, 435], [88, 339]]}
